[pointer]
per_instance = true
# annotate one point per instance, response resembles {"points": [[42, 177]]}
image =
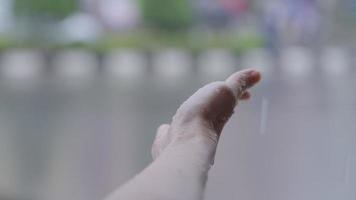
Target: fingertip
{"points": [[255, 76], [252, 76], [240, 81]]}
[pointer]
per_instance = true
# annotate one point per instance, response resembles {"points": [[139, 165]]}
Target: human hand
{"points": [[184, 150], [205, 113]]}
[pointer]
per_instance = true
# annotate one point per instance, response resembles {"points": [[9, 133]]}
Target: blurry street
{"points": [[96, 120], [84, 84]]}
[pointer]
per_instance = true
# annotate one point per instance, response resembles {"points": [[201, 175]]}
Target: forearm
{"points": [[179, 173]]}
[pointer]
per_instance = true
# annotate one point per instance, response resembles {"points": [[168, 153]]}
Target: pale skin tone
{"points": [[184, 150]]}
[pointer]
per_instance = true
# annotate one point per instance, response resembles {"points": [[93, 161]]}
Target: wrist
{"points": [[195, 151]]}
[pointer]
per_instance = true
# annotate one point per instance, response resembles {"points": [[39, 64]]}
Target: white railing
{"points": [[22, 66]]}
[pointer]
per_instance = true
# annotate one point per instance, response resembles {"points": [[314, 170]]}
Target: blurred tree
{"points": [[167, 14], [36, 20], [47, 9]]}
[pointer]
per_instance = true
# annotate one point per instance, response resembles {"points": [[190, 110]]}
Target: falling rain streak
{"points": [[347, 169], [264, 113]]}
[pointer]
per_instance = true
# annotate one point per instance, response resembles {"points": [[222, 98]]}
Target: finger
{"points": [[162, 130], [240, 81], [161, 140], [245, 96]]}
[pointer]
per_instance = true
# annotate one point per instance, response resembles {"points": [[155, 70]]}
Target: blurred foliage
{"points": [[347, 11], [5, 43], [343, 18], [167, 14], [151, 41], [44, 9]]}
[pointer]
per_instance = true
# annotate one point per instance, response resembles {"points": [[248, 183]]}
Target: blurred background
{"points": [[85, 83]]}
